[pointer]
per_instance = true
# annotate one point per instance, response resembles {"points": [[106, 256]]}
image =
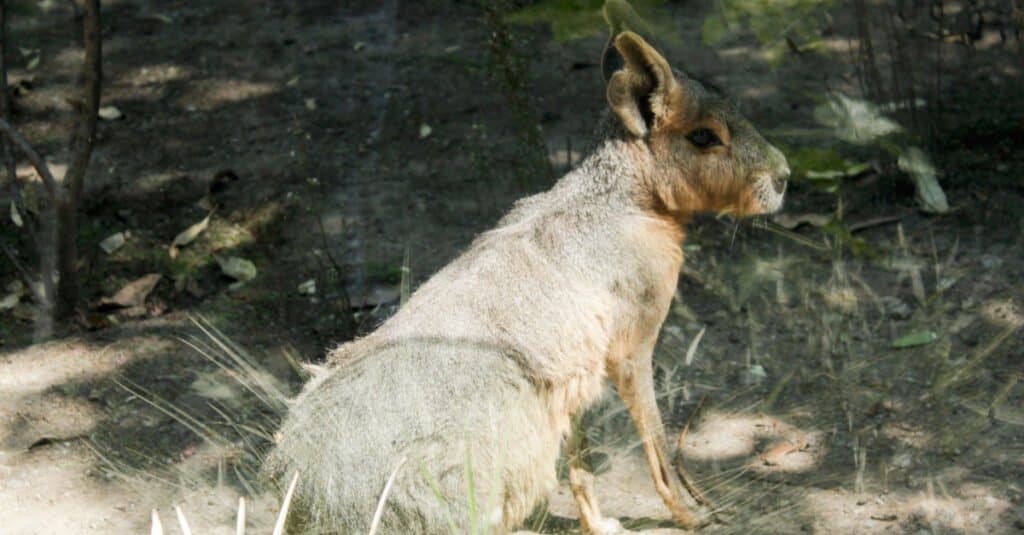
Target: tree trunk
{"points": [[82, 140], [67, 258]]}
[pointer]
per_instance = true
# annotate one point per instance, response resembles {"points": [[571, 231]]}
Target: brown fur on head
{"points": [[700, 154]]}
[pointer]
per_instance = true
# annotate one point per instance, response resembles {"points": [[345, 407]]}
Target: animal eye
{"points": [[703, 138]]}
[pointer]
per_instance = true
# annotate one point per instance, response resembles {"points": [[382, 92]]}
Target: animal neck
{"points": [[621, 171]]}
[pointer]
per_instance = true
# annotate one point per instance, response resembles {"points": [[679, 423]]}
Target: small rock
{"points": [[110, 113], [989, 261], [895, 307], [753, 375]]}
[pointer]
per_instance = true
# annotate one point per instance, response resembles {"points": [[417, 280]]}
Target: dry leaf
{"points": [[10, 301], [308, 287], [16, 216], [113, 242], [110, 113], [133, 294], [311, 104], [425, 131], [189, 235], [774, 454], [916, 163], [237, 268]]}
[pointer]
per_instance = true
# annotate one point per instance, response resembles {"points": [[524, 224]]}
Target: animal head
{"points": [[699, 154]]}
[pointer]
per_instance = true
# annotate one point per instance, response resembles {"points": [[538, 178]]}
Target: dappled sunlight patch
{"points": [[159, 73], [28, 173], [971, 508], [766, 444], [210, 94], [39, 367], [49, 490]]}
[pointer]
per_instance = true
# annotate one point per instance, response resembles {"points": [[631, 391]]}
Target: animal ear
{"points": [[639, 91], [620, 17]]}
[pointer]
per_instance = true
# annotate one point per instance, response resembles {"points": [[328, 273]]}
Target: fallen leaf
{"points": [[113, 242], [915, 339], [359, 45], [10, 301], [311, 104], [774, 454], [237, 268], [16, 216], [425, 131], [110, 113], [33, 62], [916, 163], [189, 235], [857, 121], [792, 221], [308, 287], [134, 293]]}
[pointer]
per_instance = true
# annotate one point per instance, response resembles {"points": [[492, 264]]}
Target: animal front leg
{"points": [[634, 379]]}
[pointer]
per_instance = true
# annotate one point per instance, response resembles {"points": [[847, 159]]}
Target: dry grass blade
{"points": [[240, 522], [375, 524], [158, 528], [283, 515], [182, 521], [158, 403], [248, 375], [691, 351]]}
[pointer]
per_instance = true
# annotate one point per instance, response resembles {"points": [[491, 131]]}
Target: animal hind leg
{"points": [[581, 482]]}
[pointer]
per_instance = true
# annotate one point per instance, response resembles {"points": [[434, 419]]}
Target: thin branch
{"points": [[84, 136], [52, 188]]}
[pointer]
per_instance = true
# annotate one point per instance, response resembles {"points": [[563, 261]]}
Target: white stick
{"points": [[240, 523], [185, 530], [158, 528], [283, 515], [384, 498]]}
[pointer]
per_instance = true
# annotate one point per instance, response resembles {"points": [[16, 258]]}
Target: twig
{"points": [[52, 188], [684, 476], [874, 222]]}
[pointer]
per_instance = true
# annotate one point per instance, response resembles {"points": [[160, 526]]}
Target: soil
{"points": [[362, 144]]}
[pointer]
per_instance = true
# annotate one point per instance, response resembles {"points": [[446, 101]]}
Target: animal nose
{"points": [[779, 181]]}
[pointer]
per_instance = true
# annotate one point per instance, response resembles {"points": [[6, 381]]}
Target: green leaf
{"points": [[915, 339]]}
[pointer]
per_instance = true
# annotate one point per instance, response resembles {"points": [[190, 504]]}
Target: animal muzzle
{"points": [[769, 190]]}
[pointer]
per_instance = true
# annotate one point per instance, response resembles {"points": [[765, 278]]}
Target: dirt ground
{"points": [[349, 143]]}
